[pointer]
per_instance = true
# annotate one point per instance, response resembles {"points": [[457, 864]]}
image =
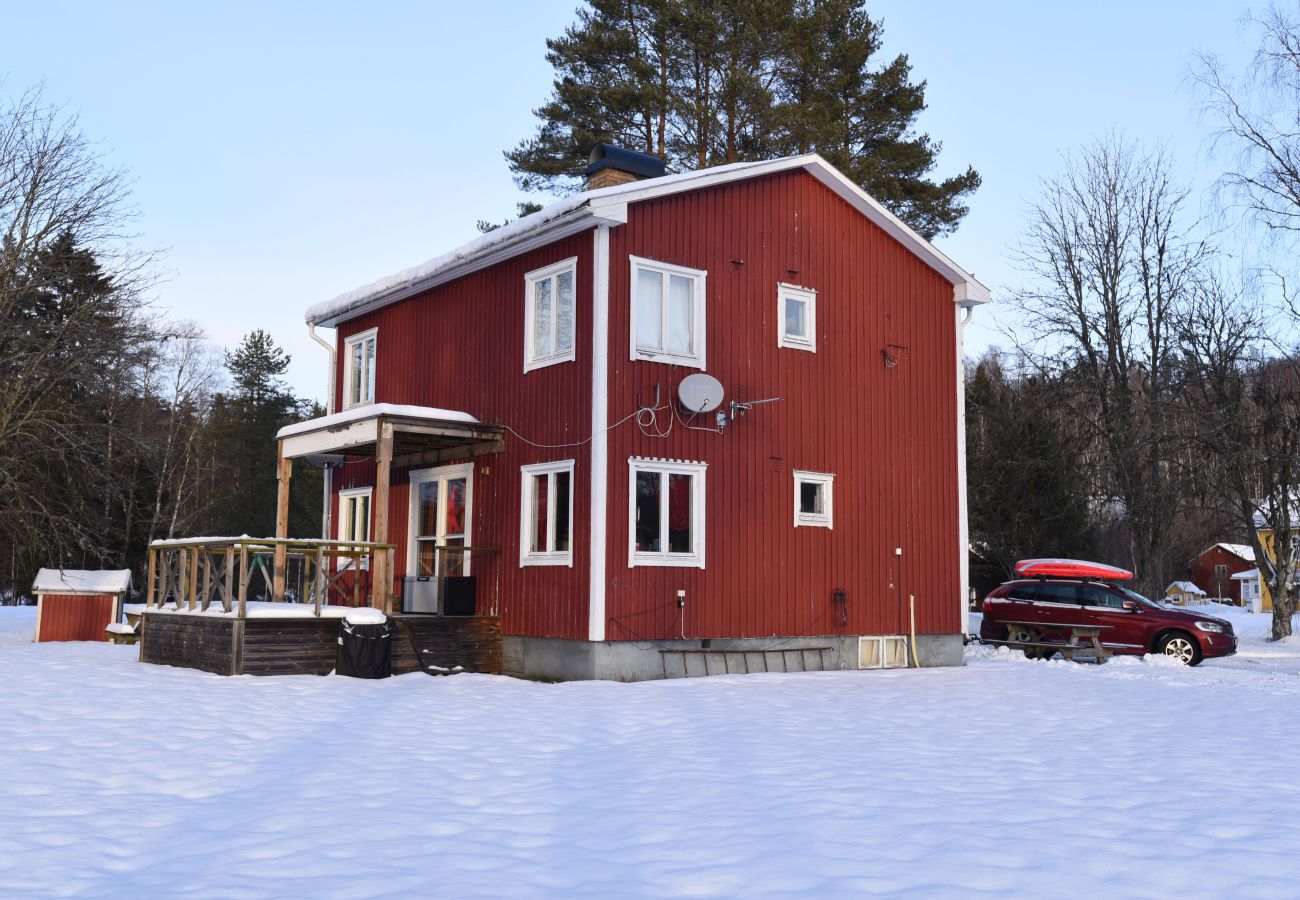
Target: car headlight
{"points": [[1212, 627]]}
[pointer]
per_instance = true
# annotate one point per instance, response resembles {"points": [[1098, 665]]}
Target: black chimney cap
{"points": [[607, 156]]}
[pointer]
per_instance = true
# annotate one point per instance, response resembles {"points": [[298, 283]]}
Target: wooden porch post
{"points": [[153, 575], [381, 577], [284, 474]]}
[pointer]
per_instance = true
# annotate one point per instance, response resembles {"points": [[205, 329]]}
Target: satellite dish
{"points": [[700, 393]]}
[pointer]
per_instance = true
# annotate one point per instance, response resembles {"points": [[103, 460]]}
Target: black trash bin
{"points": [[365, 651]]}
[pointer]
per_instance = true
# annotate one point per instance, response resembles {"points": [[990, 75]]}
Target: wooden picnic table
{"points": [[1085, 640]]}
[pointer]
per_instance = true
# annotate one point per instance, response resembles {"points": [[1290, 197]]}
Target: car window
{"points": [[1096, 595], [1055, 592], [1025, 590]]}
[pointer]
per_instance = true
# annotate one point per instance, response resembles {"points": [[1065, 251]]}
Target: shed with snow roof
{"points": [[76, 604], [1213, 568], [1184, 592]]}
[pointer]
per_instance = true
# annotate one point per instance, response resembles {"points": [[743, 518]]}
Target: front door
{"points": [[441, 510]]}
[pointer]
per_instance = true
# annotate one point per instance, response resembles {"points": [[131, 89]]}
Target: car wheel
{"points": [[1181, 646]]}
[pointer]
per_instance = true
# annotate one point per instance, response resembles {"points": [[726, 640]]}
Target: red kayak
{"points": [[1070, 568]]}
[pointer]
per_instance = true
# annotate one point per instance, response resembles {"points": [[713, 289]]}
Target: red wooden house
{"points": [[521, 396], [1213, 568]]}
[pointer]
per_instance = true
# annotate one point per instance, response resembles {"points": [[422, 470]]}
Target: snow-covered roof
{"points": [[1248, 575], [608, 206], [82, 581], [1243, 551], [1184, 587], [374, 410]]}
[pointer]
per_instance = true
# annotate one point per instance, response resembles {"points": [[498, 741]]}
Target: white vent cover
{"points": [[700, 393]]}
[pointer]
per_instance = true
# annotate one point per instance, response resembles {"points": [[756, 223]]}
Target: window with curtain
{"points": [[546, 514], [667, 313], [666, 513]]}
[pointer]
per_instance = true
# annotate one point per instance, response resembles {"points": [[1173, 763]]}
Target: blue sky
{"points": [[284, 153]]}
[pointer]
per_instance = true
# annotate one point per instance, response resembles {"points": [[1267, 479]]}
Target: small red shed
{"points": [[77, 605]]}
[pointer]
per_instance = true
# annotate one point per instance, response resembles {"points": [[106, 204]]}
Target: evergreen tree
{"points": [[707, 82], [245, 422]]}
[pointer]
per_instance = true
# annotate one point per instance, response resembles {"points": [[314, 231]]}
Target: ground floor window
{"points": [[546, 515], [354, 519], [813, 499], [666, 509]]}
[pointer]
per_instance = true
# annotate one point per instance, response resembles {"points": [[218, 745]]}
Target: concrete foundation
{"points": [[567, 660]]}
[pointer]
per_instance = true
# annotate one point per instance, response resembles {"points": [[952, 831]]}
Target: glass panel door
{"points": [[440, 521]]}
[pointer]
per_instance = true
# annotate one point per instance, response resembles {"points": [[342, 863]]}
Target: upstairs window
{"points": [[550, 317], [797, 314], [359, 368], [667, 313], [812, 499], [546, 516], [667, 513]]}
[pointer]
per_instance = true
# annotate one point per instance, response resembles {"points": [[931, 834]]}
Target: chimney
{"points": [[609, 165]]}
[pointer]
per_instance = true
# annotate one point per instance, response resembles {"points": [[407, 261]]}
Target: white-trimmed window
{"points": [[797, 314], [666, 513], [813, 499], [667, 313], [546, 515], [359, 368], [550, 314], [354, 519]]}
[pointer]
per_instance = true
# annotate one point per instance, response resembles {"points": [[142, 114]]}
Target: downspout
{"points": [[328, 479]]}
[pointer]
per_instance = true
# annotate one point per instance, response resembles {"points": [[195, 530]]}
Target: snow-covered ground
{"points": [[1133, 779]]}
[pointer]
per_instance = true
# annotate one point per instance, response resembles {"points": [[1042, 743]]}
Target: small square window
{"points": [[359, 368], [797, 315], [813, 500], [550, 315]]}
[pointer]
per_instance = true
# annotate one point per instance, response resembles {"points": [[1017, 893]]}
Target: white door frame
{"points": [[441, 474]]}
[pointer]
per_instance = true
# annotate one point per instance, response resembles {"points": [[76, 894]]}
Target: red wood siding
{"points": [[75, 617], [460, 346], [889, 434]]}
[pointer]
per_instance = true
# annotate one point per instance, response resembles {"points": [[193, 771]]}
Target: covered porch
{"points": [[395, 437]]}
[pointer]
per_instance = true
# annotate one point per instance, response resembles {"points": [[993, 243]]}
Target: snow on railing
{"points": [[194, 573]]}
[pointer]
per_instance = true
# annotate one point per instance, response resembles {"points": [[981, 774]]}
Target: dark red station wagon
{"points": [[1088, 594]]}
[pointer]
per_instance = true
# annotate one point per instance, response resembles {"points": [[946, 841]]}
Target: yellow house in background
{"points": [[1266, 541]]}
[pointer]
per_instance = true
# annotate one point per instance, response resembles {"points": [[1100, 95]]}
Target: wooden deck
{"points": [[227, 645]]}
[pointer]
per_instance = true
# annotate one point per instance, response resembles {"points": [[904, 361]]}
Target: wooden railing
{"points": [[194, 573]]}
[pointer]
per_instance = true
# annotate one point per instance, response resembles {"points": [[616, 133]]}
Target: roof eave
{"points": [[562, 226]]}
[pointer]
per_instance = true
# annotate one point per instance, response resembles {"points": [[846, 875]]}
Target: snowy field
{"points": [[1133, 779]]}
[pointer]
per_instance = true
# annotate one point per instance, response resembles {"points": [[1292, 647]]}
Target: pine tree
{"points": [[706, 82], [245, 422]]}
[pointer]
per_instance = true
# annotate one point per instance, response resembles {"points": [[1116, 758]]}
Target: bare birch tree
{"points": [[1111, 256]]}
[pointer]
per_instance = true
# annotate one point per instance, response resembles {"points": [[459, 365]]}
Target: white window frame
{"points": [[825, 519], [699, 280], [442, 474], [663, 467], [551, 557], [809, 296], [889, 650], [551, 272], [360, 337], [346, 524]]}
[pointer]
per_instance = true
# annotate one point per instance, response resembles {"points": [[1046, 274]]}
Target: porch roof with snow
{"points": [[422, 435], [608, 206]]}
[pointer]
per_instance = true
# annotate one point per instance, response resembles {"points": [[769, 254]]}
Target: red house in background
{"points": [[1213, 568], [522, 396]]}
